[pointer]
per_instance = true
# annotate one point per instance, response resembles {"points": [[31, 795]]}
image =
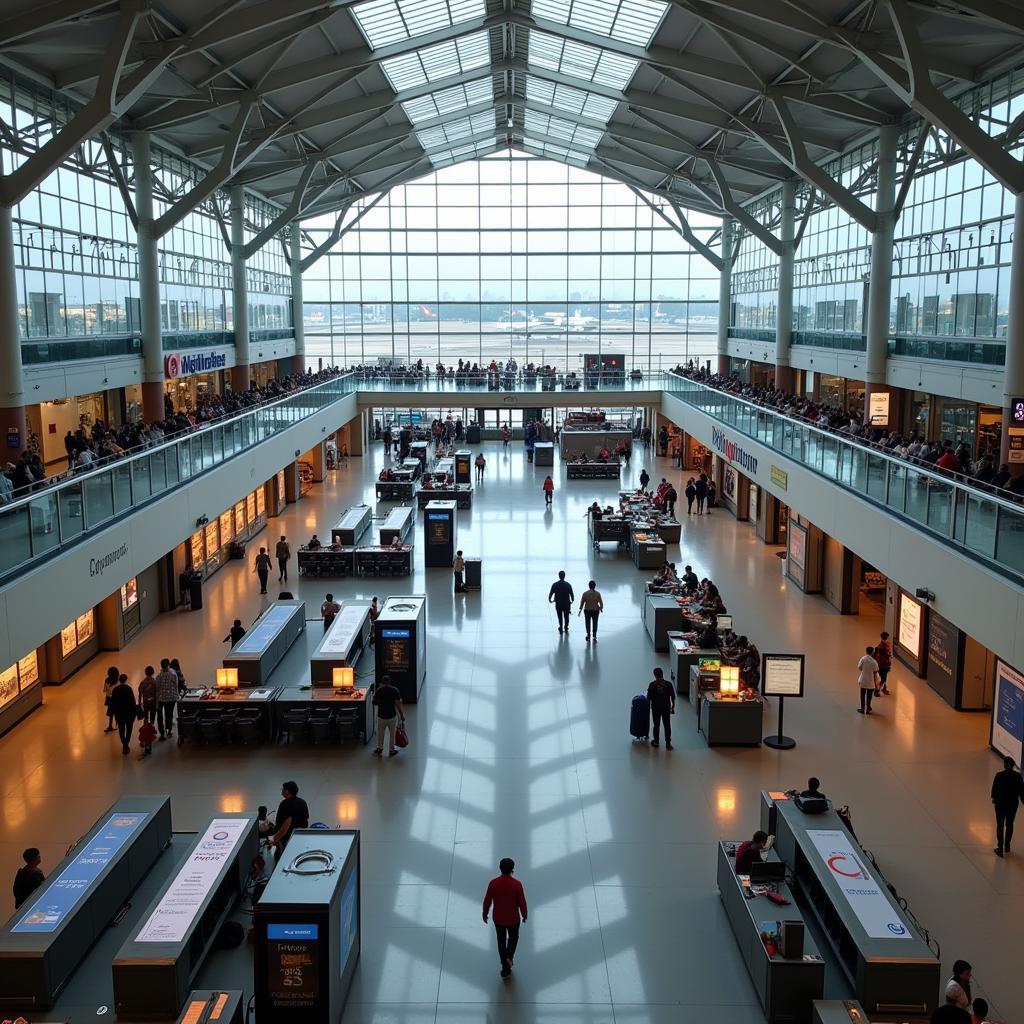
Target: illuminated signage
{"points": [[182, 364], [732, 451]]}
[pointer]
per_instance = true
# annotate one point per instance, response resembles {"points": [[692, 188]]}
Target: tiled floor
{"points": [[520, 747]]}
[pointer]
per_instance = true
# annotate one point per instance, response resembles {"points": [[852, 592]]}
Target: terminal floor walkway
{"points": [[520, 747]]}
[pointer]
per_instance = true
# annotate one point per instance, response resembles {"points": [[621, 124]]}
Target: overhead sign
{"points": [[732, 451], [178, 907], [876, 914], [782, 675], [1008, 713], [56, 904], [183, 364]]}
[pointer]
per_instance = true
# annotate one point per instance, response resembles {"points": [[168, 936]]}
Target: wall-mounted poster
{"points": [[909, 635], [1008, 713]]}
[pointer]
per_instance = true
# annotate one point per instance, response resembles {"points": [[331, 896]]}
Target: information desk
{"points": [[395, 490], [323, 714], [650, 553], [420, 450], [891, 967], [662, 615], [543, 453], [608, 529], [682, 657], [397, 524], [154, 970], [592, 470], [53, 931], [728, 721], [343, 643], [461, 494], [327, 562], [260, 651], [351, 526], [220, 717], [785, 986], [838, 1011], [373, 560]]}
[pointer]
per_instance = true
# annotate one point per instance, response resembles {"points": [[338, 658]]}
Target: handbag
{"points": [[401, 737]]}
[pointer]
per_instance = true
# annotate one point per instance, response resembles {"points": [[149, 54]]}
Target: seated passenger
{"points": [[314, 543], [749, 852]]}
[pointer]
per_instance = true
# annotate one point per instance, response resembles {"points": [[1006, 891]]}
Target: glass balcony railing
{"points": [[61, 515], [980, 523]]}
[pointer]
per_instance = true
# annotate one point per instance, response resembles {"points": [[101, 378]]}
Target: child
{"points": [[147, 734], [264, 825]]}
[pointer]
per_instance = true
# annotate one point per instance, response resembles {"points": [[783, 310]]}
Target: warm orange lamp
{"points": [[343, 677], [227, 679], [729, 683]]}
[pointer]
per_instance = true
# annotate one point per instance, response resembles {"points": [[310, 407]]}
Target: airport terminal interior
{"points": [[331, 333]]}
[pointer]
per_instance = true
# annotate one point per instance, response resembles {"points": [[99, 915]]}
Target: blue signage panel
{"points": [[259, 637], [395, 634], [349, 917], [291, 931], [57, 903]]}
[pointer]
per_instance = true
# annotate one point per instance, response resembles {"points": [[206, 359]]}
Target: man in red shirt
{"points": [[506, 893]]}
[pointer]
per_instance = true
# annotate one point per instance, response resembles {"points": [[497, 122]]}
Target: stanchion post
{"points": [[780, 742]]}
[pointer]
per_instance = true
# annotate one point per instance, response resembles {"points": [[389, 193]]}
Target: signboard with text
{"points": [[1008, 713], [782, 675]]}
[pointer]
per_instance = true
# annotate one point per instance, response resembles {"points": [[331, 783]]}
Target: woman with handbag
{"points": [[388, 702]]}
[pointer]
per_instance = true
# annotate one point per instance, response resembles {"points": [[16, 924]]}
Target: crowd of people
{"points": [[99, 444], [943, 456]]}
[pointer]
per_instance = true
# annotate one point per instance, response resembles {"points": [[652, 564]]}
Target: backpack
{"points": [[812, 804]]}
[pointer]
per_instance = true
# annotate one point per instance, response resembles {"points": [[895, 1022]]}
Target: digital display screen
{"points": [[258, 638], [709, 664], [395, 651], [910, 625], [439, 528], [293, 965]]}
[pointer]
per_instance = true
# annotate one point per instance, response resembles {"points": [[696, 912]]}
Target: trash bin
{"points": [[473, 434], [195, 591], [473, 573], [783, 561]]}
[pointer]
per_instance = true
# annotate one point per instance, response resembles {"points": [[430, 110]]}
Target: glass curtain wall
{"points": [[755, 277], [511, 256]]}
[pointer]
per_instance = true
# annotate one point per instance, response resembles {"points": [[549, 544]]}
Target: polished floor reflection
{"points": [[520, 747]]}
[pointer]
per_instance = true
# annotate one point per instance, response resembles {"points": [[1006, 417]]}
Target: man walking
{"points": [[506, 894], [262, 569], [388, 701], [645, 479], [329, 609], [591, 607], [166, 697], [662, 700], [867, 674], [670, 501], [283, 553], [562, 597], [1007, 792]]}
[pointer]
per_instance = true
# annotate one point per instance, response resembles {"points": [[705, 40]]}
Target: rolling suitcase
{"points": [[639, 718]]}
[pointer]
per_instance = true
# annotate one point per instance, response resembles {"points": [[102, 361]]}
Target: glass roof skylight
{"points": [[452, 131], [630, 21], [573, 101], [442, 60], [468, 152], [580, 61], [394, 21], [572, 134], [562, 153], [449, 101]]}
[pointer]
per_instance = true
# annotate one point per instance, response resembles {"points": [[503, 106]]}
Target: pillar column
{"points": [[784, 306], [149, 284], [299, 359], [13, 430], [725, 296], [239, 291], [876, 316], [1013, 370]]}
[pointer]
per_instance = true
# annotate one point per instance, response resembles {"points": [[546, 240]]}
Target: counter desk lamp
{"points": [[729, 681], [227, 679], [343, 678]]}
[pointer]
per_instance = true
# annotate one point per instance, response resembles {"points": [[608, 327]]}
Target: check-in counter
{"points": [[544, 453], [648, 553], [373, 560], [727, 721], [461, 494], [661, 615], [420, 450], [328, 563], [785, 986], [413, 466], [682, 657], [324, 715], [397, 524], [351, 526], [154, 970], [396, 490], [54, 930], [891, 967], [260, 651], [343, 643], [591, 470], [603, 529], [226, 717]]}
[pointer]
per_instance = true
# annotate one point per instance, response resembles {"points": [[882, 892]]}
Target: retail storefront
{"points": [[74, 646], [804, 555], [192, 376], [210, 546], [21, 690]]}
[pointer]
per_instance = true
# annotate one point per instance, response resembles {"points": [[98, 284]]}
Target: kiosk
{"points": [[327, 562], [439, 529], [419, 450], [54, 930], [397, 524], [307, 925], [400, 644], [544, 453], [662, 615], [463, 466], [730, 721], [682, 657], [343, 643], [351, 526], [154, 970], [260, 651]]}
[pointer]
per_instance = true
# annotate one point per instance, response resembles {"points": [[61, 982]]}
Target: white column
{"points": [[299, 361], [149, 284], [239, 290], [12, 375], [784, 306], [1013, 370], [725, 296]]}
